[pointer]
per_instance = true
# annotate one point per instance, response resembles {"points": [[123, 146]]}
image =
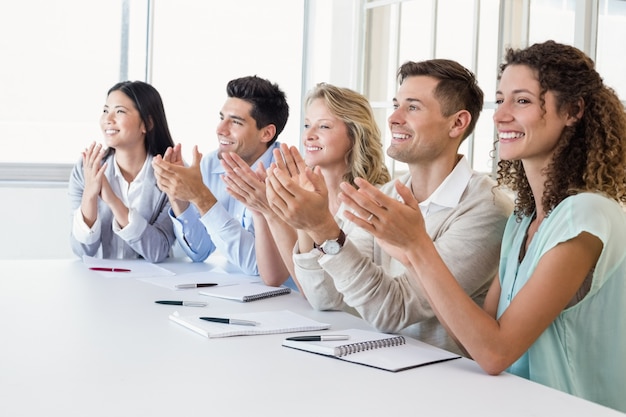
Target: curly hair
{"points": [[365, 158], [591, 154]]}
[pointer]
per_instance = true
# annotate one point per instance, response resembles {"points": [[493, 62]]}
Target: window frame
{"points": [[514, 22]]}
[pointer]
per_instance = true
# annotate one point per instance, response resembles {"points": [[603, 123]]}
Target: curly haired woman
{"points": [[556, 314]]}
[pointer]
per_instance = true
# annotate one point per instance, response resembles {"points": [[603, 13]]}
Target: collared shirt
{"points": [[227, 226], [130, 194], [450, 191], [365, 277]]}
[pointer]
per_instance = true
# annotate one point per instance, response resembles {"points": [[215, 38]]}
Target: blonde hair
{"points": [[366, 157]]}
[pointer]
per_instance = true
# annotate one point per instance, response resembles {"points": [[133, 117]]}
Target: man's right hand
{"points": [[183, 185]]}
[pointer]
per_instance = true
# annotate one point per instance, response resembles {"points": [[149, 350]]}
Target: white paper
{"points": [[138, 267], [270, 322], [219, 278]]}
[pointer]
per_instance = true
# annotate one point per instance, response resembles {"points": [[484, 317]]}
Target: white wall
{"points": [[34, 222]]}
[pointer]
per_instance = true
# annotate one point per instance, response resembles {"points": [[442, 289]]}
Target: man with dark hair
{"points": [[205, 216], [436, 107]]}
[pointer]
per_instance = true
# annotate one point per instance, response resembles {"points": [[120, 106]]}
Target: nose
{"points": [[396, 118], [309, 134], [221, 128], [107, 117], [501, 113]]}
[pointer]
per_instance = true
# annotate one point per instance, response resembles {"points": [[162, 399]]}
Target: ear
{"points": [[267, 133], [575, 112], [150, 123], [460, 122]]}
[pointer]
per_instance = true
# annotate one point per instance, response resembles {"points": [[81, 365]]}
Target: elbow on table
{"points": [[320, 304], [493, 363], [157, 258], [274, 281]]}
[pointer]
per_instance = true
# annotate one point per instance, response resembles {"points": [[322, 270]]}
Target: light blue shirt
{"points": [[227, 226], [583, 352]]}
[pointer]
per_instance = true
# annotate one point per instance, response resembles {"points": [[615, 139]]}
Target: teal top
{"points": [[583, 352]]}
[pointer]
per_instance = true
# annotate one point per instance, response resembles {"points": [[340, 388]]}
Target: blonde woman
{"points": [[340, 137]]}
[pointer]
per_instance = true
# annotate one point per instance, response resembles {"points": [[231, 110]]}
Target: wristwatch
{"points": [[332, 246]]}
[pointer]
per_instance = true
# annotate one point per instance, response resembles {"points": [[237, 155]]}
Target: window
{"points": [[198, 49], [61, 57], [475, 33], [417, 30], [609, 51]]}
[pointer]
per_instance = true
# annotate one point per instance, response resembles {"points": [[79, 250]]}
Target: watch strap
{"points": [[340, 240]]}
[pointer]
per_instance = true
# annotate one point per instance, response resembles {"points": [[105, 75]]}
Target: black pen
{"points": [[182, 303], [321, 338], [230, 321], [206, 284]]}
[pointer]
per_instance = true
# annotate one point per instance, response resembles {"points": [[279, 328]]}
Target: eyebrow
{"points": [[409, 100], [518, 91], [233, 116], [323, 119], [117, 106]]}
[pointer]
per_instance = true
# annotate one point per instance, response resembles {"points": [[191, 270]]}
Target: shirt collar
{"points": [[449, 192], [267, 158], [140, 176]]}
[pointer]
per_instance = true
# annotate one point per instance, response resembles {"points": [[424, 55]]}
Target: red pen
{"points": [[109, 269]]}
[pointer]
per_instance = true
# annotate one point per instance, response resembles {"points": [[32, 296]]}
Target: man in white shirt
{"points": [[204, 215], [436, 107]]}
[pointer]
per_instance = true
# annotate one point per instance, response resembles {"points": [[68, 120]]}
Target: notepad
{"points": [[378, 350], [245, 292], [270, 322]]}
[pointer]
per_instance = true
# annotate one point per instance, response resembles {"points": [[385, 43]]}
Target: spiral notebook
{"points": [[269, 322], [245, 292], [379, 350]]}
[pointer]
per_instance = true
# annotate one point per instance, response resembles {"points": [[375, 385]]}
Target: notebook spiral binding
{"points": [[374, 344], [267, 294]]}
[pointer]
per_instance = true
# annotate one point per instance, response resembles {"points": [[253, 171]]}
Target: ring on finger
{"points": [[370, 217]]}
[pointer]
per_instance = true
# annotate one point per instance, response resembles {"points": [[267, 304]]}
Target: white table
{"points": [[74, 343]]}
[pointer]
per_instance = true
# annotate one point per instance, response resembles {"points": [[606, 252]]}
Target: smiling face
{"points": [[121, 123], [419, 131], [237, 131], [325, 136], [528, 129]]}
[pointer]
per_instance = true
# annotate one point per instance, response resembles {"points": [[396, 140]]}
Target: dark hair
{"points": [[591, 154], [148, 102], [269, 104], [456, 90]]}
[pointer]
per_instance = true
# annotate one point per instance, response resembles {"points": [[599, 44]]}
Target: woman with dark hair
{"points": [[556, 312], [118, 210]]}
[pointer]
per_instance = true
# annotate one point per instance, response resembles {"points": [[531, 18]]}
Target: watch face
{"points": [[331, 247]]}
